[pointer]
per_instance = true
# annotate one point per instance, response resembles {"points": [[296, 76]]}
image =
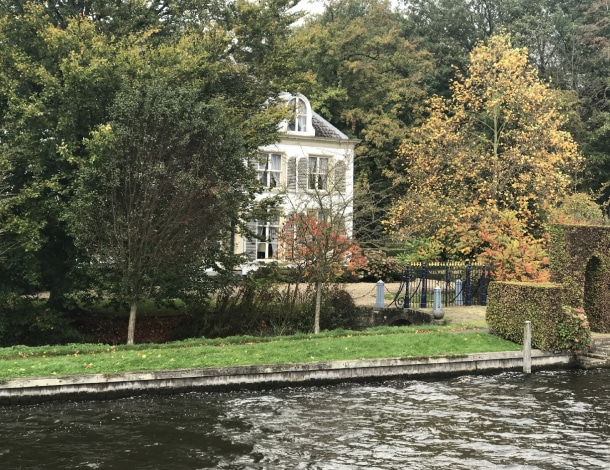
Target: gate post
{"points": [[447, 281], [527, 348], [468, 287], [423, 303], [484, 287], [407, 299]]}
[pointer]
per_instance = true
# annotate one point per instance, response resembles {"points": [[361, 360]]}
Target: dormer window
{"points": [[301, 116], [298, 122]]}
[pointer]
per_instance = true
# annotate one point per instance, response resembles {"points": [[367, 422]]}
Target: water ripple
{"points": [[550, 420]]}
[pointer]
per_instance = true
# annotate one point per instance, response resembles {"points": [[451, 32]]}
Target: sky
{"points": [[313, 6]]}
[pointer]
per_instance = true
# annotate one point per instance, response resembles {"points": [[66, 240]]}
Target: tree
{"points": [[450, 29], [371, 82], [44, 111], [567, 41], [594, 34], [5, 197], [321, 249], [495, 148], [316, 237], [164, 182], [62, 66]]}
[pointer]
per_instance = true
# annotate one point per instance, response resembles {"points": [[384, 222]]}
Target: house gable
{"points": [[311, 154]]}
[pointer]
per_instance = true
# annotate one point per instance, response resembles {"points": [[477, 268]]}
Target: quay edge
{"points": [[31, 390]]}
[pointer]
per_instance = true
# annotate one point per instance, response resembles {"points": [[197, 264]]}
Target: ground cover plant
{"points": [[382, 342]]}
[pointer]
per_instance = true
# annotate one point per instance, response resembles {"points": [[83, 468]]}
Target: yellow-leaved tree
{"points": [[483, 170]]}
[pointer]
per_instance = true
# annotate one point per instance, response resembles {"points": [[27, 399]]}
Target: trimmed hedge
{"points": [[580, 261], [511, 304]]}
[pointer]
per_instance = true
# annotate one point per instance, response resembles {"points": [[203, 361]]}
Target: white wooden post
{"points": [[527, 348]]}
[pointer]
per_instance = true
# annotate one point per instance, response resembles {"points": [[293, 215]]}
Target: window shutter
{"points": [[340, 173], [302, 174], [250, 242], [291, 173]]}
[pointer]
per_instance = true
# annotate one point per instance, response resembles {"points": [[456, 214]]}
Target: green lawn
{"points": [[20, 361]]}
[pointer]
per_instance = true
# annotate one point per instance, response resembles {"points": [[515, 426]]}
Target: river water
{"points": [[549, 420]]}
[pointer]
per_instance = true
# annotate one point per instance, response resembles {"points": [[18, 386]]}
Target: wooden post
{"points": [[527, 348]]}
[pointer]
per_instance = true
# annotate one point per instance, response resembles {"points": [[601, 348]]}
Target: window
{"points": [[317, 173], [298, 122], [267, 231], [269, 170]]}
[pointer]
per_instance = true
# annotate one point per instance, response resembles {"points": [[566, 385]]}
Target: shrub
{"points": [[30, 322], [339, 310], [511, 304], [262, 307], [379, 266], [573, 331]]}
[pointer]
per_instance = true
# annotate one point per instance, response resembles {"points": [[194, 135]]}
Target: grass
{"points": [[382, 342]]}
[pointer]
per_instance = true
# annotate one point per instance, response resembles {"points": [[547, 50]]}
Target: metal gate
{"points": [[460, 284]]}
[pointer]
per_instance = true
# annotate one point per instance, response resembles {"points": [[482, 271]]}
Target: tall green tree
{"points": [[62, 66], [55, 84], [449, 29], [594, 34], [370, 81], [164, 181]]}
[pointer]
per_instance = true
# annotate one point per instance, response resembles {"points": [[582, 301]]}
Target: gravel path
{"points": [[364, 294]]}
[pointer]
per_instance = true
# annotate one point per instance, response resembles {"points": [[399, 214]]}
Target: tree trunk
{"points": [[316, 320], [131, 329]]}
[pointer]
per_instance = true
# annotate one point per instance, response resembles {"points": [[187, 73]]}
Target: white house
{"points": [[312, 158]]}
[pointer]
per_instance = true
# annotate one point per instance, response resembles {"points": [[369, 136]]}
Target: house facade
{"points": [[311, 168]]}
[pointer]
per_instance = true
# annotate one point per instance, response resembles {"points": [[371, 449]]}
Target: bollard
{"points": [[437, 311], [379, 300], [527, 348], [458, 292]]}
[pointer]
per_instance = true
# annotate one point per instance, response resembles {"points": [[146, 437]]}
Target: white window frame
{"points": [[299, 121], [318, 173], [268, 232], [267, 174]]}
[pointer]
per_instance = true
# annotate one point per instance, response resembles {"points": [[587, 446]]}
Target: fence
{"points": [[461, 284]]}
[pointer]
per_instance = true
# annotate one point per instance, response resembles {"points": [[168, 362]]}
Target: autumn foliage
{"points": [[483, 170], [323, 251], [320, 249]]}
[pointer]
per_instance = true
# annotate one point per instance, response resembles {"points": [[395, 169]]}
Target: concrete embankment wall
{"points": [[104, 386]]}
